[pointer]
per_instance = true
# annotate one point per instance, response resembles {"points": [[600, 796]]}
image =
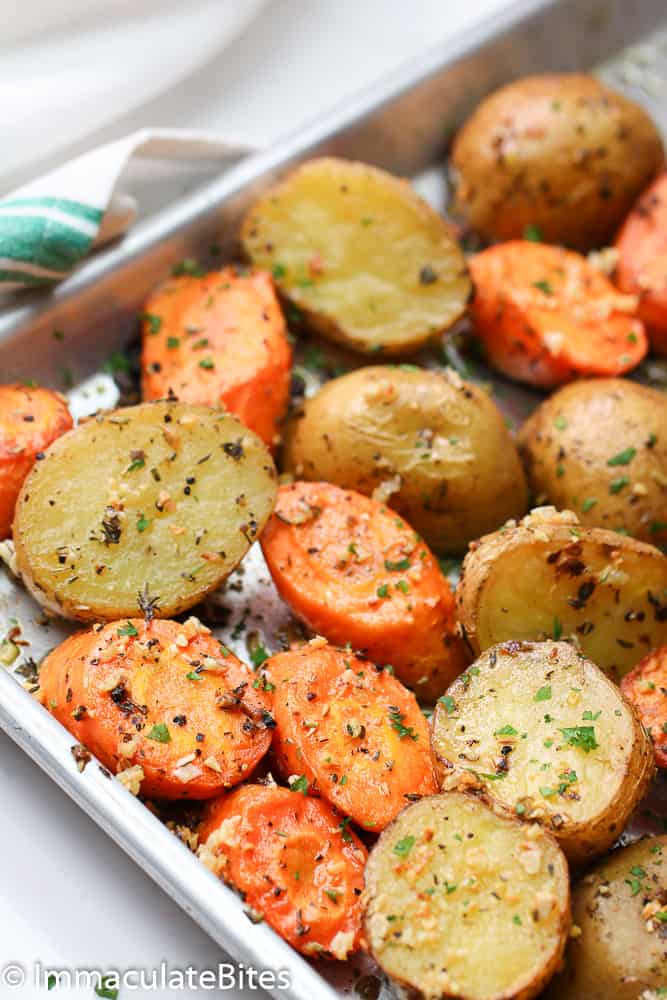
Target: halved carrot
{"points": [[356, 572], [646, 688], [164, 696], [220, 338], [30, 419], [295, 862], [642, 265], [545, 315], [350, 732]]}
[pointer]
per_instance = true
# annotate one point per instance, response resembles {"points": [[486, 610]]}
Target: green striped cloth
{"points": [[51, 224]]}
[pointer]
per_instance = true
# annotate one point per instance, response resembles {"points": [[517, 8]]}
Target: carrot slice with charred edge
{"points": [[165, 696], [30, 419], [217, 339], [294, 860], [646, 688], [349, 732], [545, 315], [356, 572], [642, 264]]}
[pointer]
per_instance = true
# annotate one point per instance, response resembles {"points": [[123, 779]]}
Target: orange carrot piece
{"points": [[164, 696], [350, 732], [646, 688], [294, 860], [30, 419], [355, 572], [642, 265], [219, 339], [546, 316]]}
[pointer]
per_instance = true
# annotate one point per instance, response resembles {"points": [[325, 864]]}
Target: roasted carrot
{"points": [[545, 315], [30, 419], [219, 339], [161, 696], [294, 860], [642, 263], [646, 688], [354, 571], [350, 732]]}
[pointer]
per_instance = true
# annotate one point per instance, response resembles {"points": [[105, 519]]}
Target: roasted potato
{"points": [[462, 902], [360, 254], [541, 730], [437, 447], [599, 447], [146, 508], [30, 419], [561, 153], [550, 577], [619, 909]]}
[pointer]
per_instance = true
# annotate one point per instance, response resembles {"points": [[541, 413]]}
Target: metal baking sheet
{"points": [[402, 124]]}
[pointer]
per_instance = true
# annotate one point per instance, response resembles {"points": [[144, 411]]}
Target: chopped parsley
{"points": [[207, 363], [396, 719], [299, 784], [622, 457], [127, 629], [399, 564], [278, 271], [588, 504], [160, 733], [382, 590], [543, 286], [560, 423], [616, 485], [533, 234], [557, 629], [543, 693], [581, 736], [403, 847], [142, 523], [173, 343], [258, 655], [506, 731], [154, 322], [448, 702]]}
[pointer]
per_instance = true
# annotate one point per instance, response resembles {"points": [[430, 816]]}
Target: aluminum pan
{"points": [[401, 124]]}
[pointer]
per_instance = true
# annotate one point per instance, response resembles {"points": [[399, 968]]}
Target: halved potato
{"points": [[543, 732], [368, 262], [549, 577], [146, 508], [599, 446], [461, 902], [435, 447], [620, 911]]}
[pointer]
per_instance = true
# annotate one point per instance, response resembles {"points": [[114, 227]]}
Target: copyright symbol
{"points": [[13, 976]]}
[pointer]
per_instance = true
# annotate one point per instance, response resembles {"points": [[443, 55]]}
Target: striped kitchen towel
{"points": [[52, 223]]}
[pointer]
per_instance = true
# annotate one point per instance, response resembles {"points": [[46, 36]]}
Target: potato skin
{"points": [[616, 955], [459, 469], [507, 949], [505, 717], [567, 445], [561, 152], [548, 576], [360, 254]]}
